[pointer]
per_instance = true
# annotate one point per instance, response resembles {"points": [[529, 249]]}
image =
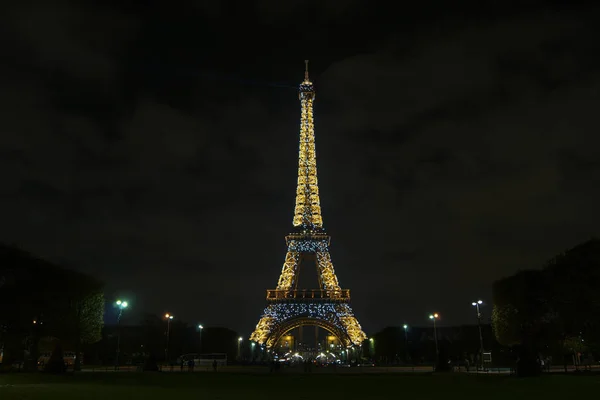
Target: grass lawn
{"points": [[224, 386]]}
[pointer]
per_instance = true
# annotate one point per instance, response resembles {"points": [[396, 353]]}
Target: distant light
{"points": [[124, 304], [405, 327], [118, 302], [479, 302], [473, 304], [200, 327], [240, 339], [168, 316], [371, 339]]}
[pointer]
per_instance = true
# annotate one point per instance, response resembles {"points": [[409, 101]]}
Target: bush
{"points": [[56, 363], [151, 364]]}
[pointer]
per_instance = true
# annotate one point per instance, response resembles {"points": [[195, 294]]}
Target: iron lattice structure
{"points": [[289, 307]]}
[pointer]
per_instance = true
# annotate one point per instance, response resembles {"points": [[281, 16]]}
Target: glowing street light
{"points": [[406, 340], [240, 347], [476, 304], [434, 317], [121, 305], [372, 347], [168, 317], [200, 327]]}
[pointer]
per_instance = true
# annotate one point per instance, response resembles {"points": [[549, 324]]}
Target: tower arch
{"points": [[297, 322]]}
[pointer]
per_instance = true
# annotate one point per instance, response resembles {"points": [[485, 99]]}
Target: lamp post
{"points": [[169, 317], [372, 348], [239, 348], [434, 317], [406, 340], [476, 304], [200, 327], [122, 305]]}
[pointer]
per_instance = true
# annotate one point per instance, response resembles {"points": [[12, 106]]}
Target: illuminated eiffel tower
{"points": [[289, 307]]}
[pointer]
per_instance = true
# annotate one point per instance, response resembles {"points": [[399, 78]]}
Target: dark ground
{"points": [[214, 386]]}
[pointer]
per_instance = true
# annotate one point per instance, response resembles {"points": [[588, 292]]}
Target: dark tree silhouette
{"points": [[40, 299], [554, 307]]}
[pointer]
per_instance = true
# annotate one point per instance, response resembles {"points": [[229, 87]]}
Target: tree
{"points": [[520, 308], [550, 306], [575, 278], [87, 313], [76, 314], [39, 298]]}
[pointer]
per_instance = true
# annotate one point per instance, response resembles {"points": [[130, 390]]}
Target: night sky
{"points": [[154, 145]]}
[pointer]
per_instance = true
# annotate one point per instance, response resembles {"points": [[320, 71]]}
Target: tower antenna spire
{"points": [[306, 70]]}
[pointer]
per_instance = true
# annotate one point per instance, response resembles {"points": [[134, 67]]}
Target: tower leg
{"points": [[288, 277]]}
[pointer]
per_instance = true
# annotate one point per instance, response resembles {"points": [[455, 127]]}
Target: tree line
{"points": [[147, 339], [43, 302], [46, 308], [551, 311]]}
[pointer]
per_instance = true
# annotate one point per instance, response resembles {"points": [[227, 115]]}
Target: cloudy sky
{"points": [[155, 146]]}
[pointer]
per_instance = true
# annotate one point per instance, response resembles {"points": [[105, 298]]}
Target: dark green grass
{"points": [[215, 386]]}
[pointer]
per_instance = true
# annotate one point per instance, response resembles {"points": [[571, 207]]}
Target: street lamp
{"points": [[240, 347], [200, 327], [168, 317], [406, 340], [476, 304], [434, 317], [122, 305]]}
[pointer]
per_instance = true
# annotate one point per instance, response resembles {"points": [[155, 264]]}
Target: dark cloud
{"points": [[159, 156], [486, 153]]}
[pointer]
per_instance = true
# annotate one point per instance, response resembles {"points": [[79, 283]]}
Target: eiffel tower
{"points": [[289, 307]]}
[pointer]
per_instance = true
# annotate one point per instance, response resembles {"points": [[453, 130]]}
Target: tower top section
{"points": [[307, 213], [306, 87]]}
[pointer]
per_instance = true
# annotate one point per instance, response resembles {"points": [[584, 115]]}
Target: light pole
{"points": [[476, 304], [372, 348], [169, 317], [122, 305], [406, 340], [434, 317], [240, 348], [200, 327]]}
